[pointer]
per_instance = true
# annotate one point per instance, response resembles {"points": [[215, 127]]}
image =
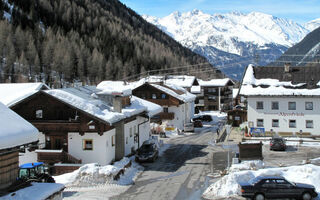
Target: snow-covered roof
{"points": [[12, 93], [84, 98], [251, 86], [182, 80], [114, 88], [14, 130], [179, 80], [176, 91], [215, 82], [35, 191]]}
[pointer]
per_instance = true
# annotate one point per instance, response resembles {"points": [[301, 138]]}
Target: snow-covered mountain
{"points": [[233, 40], [312, 25]]}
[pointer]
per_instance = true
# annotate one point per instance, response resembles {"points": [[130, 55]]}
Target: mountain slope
{"points": [[308, 50], [253, 37], [82, 40]]}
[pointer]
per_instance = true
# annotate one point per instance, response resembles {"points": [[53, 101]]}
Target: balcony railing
{"points": [[56, 156], [169, 116]]}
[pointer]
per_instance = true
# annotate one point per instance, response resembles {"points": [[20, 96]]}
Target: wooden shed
{"points": [[237, 117]]}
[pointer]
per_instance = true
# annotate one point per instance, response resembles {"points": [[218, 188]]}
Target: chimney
{"points": [[117, 103], [287, 67]]}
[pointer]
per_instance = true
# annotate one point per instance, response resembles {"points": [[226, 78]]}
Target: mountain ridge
{"points": [[256, 37]]}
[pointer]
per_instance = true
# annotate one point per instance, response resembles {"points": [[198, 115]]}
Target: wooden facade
{"points": [[237, 117], [156, 96], [55, 119], [9, 167]]}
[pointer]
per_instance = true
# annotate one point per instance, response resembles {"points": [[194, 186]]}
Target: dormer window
{"points": [[39, 114]]}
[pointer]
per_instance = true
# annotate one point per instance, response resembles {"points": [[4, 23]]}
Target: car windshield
{"points": [[146, 148], [279, 140], [254, 180]]}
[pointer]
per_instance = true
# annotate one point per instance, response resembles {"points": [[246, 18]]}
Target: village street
{"points": [[181, 172]]}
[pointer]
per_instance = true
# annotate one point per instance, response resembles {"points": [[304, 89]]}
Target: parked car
{"points": [[203, 118], [188, 127], [147, 152], [263, 187], [278, 143]]}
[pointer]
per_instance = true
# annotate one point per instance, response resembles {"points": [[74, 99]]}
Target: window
{"points": [[212, 90], [165, 110], [39, 114], [135, 130], [87, 145], [130, 131], [275, 105], [259, 104], [309, 105], [211, 97], [259, 122], [275, 123], [126, 140], [113, 142], [309, 123], [163, 96], [237, 118], [291, 105], [154, 96], [292, 123]]}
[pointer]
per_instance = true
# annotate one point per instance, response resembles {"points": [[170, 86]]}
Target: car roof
{"points": [[31, 165]]}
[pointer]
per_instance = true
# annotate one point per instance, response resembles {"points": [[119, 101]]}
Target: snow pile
{"points": [[315, 161], [14, 130], [12, 93], [92, 174], [151, 108], [35, 191], [247, 165], [180, 80], [229, 184]]}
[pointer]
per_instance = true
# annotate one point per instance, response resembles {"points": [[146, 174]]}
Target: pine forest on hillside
{"points": [[82, 40]]}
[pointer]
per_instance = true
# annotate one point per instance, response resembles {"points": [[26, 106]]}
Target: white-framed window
{"points": [[39, 114], [292, 123], [130, 131], [211, 97], [212, 90], [291, 105], [259, 122], [275, 123], [275, 105], [88, 144], [237, 118], [309, 105], [309, 123], [259, 105]]}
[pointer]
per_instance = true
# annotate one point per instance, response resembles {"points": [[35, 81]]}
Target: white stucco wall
{"points": [[29, 157], [144, 130], [284, 115], [103, 152], [182, 114]]}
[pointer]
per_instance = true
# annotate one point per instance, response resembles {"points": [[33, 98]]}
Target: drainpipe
{"points": [[148, 118]]}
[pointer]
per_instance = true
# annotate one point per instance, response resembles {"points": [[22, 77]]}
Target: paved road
{"points": [[181, 172]]}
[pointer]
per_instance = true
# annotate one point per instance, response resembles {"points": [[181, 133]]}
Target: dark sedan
{"points": [[278, 143], [261, 188], [147, 152]]}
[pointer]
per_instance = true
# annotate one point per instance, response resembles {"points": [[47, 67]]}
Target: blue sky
{"points": [[298, 10]]}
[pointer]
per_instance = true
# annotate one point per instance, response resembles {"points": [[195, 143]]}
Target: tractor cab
{"points": [[37, 172]]}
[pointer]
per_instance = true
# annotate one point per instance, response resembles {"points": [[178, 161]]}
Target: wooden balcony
{"points": [[57, 125], [169, 116], [164, 102], [56, 156]]}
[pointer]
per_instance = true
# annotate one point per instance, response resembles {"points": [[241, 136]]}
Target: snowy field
{"points": [[228, 186]]}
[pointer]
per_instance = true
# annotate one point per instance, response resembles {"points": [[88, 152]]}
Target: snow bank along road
{"points": [[181, 172]]}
